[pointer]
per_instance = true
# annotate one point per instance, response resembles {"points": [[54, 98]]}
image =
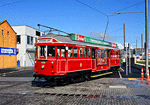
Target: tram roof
{"points": [[67, 39]]}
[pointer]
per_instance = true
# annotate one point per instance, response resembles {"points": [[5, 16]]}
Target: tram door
{"points": [[93, 59], [61, 59]]}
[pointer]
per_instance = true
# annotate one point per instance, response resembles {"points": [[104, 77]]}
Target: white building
{"points": [[26, 37]]}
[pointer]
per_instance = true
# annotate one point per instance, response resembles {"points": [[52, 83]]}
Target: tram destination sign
{"points": [[44, 40], [92, 40]]}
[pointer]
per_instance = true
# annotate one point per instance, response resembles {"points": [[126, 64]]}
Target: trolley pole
{"points": [[146, 34]]}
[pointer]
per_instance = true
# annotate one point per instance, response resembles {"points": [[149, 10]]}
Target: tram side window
{"points": [[93, 53], [75, 52], [51, 51], [111, 54], [105, 54], [85, 52], [117, 54], [70, 52], [89, 52], [42, 50], [80, 52], [102, 54]]}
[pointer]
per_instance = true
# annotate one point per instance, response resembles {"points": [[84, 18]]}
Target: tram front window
{"points": [[51, 51], [42, 50]]}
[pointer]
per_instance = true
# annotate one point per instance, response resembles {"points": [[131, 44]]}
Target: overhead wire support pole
{"points": [[146, 34]]}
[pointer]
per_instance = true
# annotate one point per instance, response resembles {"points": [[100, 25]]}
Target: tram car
{"points": [[66, 58]]}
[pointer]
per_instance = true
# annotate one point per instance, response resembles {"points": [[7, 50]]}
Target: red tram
{"points": [[62, 58]]}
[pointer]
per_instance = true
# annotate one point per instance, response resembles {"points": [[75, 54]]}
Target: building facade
{"points": [[8, 51], [26, 37]]}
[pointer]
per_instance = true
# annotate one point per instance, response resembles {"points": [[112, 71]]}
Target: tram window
{"points": [[75, 52], [98, 53], [93, 53], [102, 54], [70, 52], [116, 54], [111, 54], [89, 52], [42, 50], [51, 51], [80, 52], [105, 54], [61, 50], [85, 52]]}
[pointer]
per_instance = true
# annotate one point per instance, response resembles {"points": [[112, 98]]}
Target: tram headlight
{"points": [[42, 67], [52, 62]]}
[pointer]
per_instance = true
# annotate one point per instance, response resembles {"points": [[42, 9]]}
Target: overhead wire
{"points": [[91, 7], [130, 6]]}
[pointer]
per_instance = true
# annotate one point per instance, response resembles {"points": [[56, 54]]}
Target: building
{"points": [[26, 37], [8, 51]]}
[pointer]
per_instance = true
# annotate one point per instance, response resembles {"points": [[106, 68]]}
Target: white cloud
{"points": [[120, 46]]}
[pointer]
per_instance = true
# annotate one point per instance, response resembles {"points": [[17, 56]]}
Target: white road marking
{"points": [[117, 87]]}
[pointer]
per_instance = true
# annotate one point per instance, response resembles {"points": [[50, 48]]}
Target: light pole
{"points": [[146, 34]]}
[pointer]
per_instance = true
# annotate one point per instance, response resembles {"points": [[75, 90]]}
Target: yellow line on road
{"points": [[101, 74], [132, 79]]}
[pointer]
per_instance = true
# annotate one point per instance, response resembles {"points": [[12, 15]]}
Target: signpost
{"points": [[8, 51]]}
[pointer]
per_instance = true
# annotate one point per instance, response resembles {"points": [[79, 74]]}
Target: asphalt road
{"points": [[114, 89]]}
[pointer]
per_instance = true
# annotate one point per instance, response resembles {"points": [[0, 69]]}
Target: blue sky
{"points": [[73, 17]]}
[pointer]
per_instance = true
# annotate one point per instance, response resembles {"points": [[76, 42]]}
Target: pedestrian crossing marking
{"points": [[132, 79]]}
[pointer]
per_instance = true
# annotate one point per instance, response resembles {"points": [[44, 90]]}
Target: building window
{"points": [[7, 33], [28, 39], [35, 40], [18, 39], [31, 40], [2, 32], [38, 33]]}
